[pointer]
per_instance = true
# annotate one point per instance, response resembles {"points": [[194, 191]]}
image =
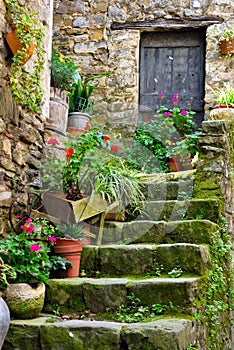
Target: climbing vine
{"points": [[25, 82], [218, 298]]}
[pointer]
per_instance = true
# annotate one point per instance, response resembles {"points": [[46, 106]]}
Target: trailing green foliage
{"points": [[25, 82], [218, 296]]}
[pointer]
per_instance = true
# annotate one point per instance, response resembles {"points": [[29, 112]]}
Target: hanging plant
{"points": [[25, 83]]}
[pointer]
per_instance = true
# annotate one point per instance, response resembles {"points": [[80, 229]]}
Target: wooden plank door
{"points": [[173, 62]]}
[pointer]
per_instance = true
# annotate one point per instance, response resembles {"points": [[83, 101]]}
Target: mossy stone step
{"points": [[150, 231], [123, 260], [170, 190], [72, 295], [175, 210], [37, 334]]}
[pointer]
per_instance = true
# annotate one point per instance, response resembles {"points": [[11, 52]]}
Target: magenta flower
{"points": [[174, 100], [34, 247], [17, 216], [161, 95], [52, 141], [30, 229], [52, 239], [28, 220], [167, 114], [176, 95], [183, 112]]}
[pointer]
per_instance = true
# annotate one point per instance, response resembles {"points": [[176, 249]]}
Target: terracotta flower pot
{"points": [[25, 301], [69, 249], [174, 164], [226, 46], [15, 45]]}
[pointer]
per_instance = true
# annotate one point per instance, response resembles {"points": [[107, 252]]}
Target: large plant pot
{"points": [[79, 120], [4, 320], [69, 249], [58, 116], [222, 113], [226, 46], [25, 301], [14, 44]]}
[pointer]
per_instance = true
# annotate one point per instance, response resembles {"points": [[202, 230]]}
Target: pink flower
{"points": [[28, 220], [174, 100], [34, 247], [30, 229], [52, 239], [183, 112], [167, 114], [161, 95], [176, 95], [146, 120], [17, 217], [23, 227], [69, 152], [115, 148], [52, 141]]}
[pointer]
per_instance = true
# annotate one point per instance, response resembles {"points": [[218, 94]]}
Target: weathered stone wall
{"points": [[214, 177], [21, 132], [83, 30]]}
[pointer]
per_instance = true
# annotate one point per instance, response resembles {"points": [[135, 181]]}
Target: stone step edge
{"points": [[171, 331], [49, 319], [163, 177], [127, 281]]}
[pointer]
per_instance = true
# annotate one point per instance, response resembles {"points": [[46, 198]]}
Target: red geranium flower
{"points": [[146, 120], [106, 137], [69, 152], [115, 148]]}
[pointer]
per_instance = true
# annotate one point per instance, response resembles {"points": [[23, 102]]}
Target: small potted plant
{"points": [[64, 74], [224, 103], [225, 35], [80, 105], [69, 245], [59, 266]]}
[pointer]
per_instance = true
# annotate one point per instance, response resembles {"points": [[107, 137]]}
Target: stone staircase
{"points": [[158, 257]]}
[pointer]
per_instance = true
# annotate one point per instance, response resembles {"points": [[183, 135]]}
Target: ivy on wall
{"points": [[25, 82], [217, 302]]}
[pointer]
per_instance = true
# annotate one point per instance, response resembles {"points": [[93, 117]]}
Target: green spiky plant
{"points": [[82, 90]]}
